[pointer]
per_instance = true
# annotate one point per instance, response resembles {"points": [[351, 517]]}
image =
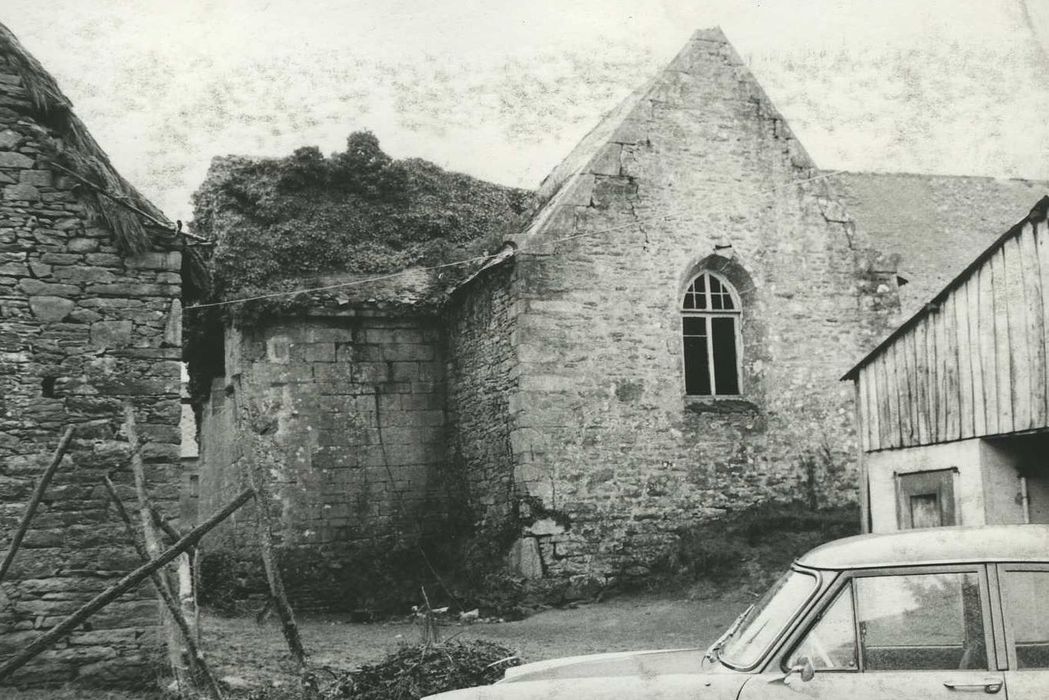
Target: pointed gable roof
{"points": [[570, 184]]}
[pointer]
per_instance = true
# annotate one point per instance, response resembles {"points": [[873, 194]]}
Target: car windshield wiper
{"points": [[711, 654]]}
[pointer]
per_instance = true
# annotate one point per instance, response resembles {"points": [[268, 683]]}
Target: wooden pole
{"points": [[167, 597], [49, 638], [176, 651], [38, 494], [273, 577], [257, 482]]}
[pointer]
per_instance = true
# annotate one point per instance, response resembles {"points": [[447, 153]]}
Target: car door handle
{"points": [[987, 685]]}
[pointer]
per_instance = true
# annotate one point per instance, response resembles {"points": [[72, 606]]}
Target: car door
{"points": [[1024, 592], [904, 634]]}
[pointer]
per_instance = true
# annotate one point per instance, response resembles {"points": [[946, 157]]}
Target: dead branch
{"points": [[49, 638], [167, 597], [166, 527], [273, 577]]}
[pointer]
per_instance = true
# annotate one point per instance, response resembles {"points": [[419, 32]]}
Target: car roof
{"points": [[934, 545]]}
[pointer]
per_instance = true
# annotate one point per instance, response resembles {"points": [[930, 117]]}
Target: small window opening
{"points": [[47, 387], [710, 327]]}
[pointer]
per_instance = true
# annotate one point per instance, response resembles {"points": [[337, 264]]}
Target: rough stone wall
{"points": [[479, 327], [81, 329], [348, 416], [701, 174]]}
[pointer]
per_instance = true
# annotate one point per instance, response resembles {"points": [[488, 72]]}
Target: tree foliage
{"points": [[358, 211]]}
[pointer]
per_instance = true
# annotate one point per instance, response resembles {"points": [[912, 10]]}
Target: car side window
{"points": [[1024, 595], [921, 622], [831, 643]]}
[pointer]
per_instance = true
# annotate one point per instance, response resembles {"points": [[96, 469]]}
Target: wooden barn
{"points": [[953, 406]]}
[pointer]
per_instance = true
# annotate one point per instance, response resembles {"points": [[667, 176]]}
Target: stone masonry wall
{"points": [[481, 378], [81, 329], [702, 174], [348, 414]]}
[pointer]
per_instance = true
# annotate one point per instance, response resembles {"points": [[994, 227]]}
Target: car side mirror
{"points": [[803, 669]]}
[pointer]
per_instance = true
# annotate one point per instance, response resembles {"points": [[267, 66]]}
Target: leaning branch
{"points": [[168, 598], [48, 639], [38, 494]]}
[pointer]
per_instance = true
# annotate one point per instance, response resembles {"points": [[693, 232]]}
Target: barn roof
{"points": [[934, 224], [1037, 213]]}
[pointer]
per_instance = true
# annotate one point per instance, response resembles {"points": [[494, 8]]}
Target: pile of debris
{"points": [[419, 670]]}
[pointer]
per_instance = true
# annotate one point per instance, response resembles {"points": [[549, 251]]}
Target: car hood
{"points": [[677, 673], [625, 663]]}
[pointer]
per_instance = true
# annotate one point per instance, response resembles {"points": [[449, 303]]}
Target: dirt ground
{"points": [[246, 652]]}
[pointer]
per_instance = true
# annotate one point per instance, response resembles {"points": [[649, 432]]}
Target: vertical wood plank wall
{"points": [[973, 365]]}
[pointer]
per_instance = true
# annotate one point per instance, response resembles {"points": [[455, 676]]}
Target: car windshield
{"points": [[767, 618]]}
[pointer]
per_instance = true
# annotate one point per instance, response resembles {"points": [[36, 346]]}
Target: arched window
{"points": [[710, 315]]}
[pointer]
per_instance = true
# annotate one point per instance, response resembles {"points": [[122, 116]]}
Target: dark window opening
{"points": [[711, 334], [47, 388]]}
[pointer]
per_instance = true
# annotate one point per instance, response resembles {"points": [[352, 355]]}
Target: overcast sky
{"points": [[504, 89]]}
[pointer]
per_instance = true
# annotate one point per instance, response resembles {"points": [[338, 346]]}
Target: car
{"points": [[947, 612]]}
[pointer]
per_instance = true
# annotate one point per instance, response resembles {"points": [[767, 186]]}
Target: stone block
{"points": [[83, 245], [78, 274], [21, 192], [50, 309], [524, 559], [37, 178], [320, 352], [34, 287], [397, 352], [170, 261], [12, 159], [108, 334], [9, 140]]}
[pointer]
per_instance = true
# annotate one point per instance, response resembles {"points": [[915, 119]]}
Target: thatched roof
{"points": [[74, 148]]}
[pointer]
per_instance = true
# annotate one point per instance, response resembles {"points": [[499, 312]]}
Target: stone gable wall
{"points": [[347, 415], [701, 175], [82, 328]]}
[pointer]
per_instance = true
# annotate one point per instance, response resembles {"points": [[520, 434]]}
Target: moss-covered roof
{"points": [[307, 220]]}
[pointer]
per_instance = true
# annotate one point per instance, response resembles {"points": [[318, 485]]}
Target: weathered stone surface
{"points": [[12, 159], [156, 261], [37, 178], [21, 191], [9, 139], [50, 309], [110, 334], [524, 559], [34, 287], [83, 245]]}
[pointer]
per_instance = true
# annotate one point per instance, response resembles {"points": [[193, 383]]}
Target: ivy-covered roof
{"points": [[307, 220]]}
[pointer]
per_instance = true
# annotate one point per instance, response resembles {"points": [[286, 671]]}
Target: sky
{"points": [[503, 89]]}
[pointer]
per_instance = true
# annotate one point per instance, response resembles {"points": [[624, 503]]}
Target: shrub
{"points": [[749, 548]]}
